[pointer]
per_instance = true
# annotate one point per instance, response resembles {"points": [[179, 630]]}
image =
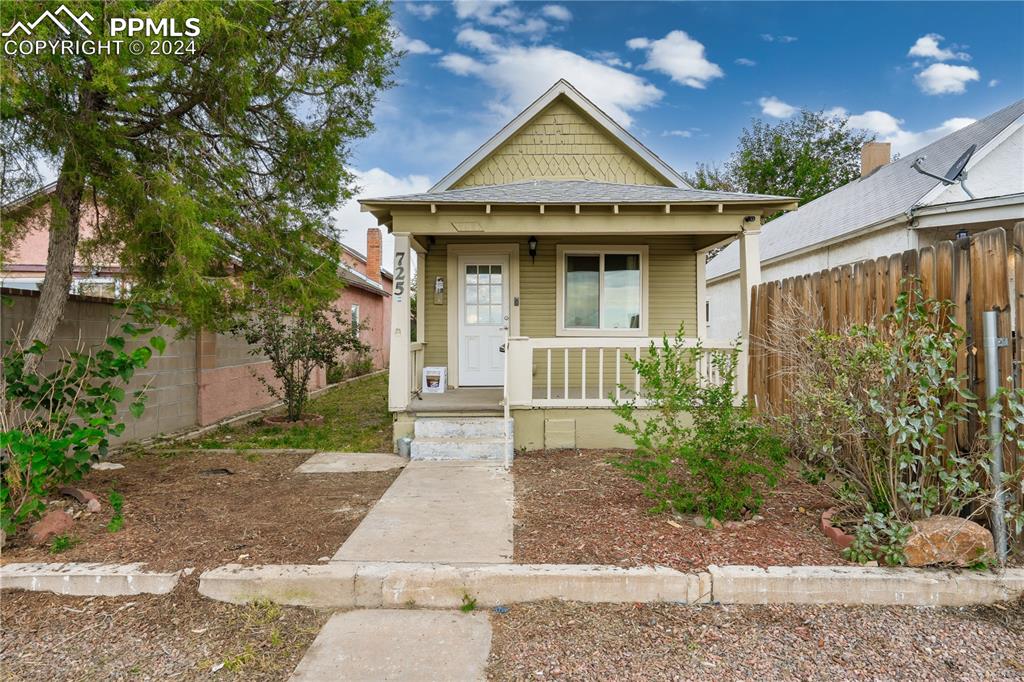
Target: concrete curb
{"points": [[853, 585], [391, 584], [87, 579]]}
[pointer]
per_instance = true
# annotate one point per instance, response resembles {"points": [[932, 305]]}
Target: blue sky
{"points": [[685, 78]]}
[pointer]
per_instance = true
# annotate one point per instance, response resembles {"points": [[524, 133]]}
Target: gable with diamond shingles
{"points": [[560, 143]]}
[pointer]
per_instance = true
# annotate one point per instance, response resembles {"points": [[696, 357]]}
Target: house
{"points": [[366, 298], [891, 208], [23, 265], [558, 248]]}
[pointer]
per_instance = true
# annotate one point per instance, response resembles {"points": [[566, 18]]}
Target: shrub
{"points": [[878, 409], [354, 364], [56, 424], [698, 449], [296, 345]]}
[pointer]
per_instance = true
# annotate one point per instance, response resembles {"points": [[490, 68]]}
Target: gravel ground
{"points": [[571, 641], [181, 636], [573, 507], [205, 509]]}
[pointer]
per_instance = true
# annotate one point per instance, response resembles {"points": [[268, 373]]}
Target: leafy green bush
{"points": [[878, 410], [698, 449], [352, 365], [56, 423], [296, 345]]}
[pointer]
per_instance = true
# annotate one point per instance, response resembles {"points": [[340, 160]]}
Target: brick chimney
{"points": [[373, 254], [873, 156]]}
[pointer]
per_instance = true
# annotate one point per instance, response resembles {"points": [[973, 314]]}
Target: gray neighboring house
{"points": [[890, 208]]}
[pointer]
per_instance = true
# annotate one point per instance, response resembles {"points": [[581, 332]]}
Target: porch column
{"points": [[702, 293], [750, 276], [398, 377]]}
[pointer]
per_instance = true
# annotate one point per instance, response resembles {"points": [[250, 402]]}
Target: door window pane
{"points": [[582, 291], [484, 295], [622, 291]]}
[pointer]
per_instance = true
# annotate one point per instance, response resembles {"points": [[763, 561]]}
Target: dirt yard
{"points": [[569, 641], [205, 509], [181, 636], [573, 507]]}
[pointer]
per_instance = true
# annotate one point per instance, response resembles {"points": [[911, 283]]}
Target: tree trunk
{"points": [[65, 212]]}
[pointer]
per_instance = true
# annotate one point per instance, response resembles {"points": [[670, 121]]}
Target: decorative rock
{"points": [[949, 541], [53, 523], [93, 506], [107, 466]]}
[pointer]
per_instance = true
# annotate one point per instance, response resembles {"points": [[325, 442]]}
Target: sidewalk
{"points": [[446, 512]]}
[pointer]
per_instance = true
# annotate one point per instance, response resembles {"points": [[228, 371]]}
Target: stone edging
{"points": [[376, 585], [381, 585], [88, 579]]}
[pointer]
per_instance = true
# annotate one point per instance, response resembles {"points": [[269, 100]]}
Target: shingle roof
{"points": [[888, 192], [573, 192]]}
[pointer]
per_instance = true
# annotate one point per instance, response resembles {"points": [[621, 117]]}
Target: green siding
{"points": [[672, 296]]}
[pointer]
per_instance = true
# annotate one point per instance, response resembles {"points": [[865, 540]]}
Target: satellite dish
{"points": [[953, 174], [956, 172]]}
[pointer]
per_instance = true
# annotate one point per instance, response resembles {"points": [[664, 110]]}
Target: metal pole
{"points": [[995, 427]]}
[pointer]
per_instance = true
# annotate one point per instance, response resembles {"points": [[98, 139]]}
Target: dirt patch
{"points": [[573, 507], [179, 636], [554, 640], [205, 509]]}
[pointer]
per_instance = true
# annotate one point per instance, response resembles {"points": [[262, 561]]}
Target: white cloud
{"points": [[776, 108], [557, 12], [993, 83], [890, 129], [520, 74], [414, 45], [743, 61], [680, 57], [769, 38], [611, 59], [500, 14], [461, 64], [927, 46], [423, 10], [375, 182], [477, 39], [941, 79], [677, 133]]}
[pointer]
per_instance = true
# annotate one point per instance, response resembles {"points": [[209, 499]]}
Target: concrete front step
{"points": [[462, 438], [461, 427], [478, 449]]}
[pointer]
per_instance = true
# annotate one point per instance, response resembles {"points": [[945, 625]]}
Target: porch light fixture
{"points": [[531, 243], [963, 234]]}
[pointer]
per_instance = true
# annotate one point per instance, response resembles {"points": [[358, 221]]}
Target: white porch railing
{"points": [[416, 355], [583, 371]]}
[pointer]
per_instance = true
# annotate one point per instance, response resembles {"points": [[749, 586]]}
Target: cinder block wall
{"points": [[197, 381], [169, 379]]}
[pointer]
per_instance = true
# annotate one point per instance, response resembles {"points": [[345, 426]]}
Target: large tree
{"points": [[804, 157], [215, 168]]}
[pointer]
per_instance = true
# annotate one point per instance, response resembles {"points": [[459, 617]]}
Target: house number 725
{"points": [[399, 275]]}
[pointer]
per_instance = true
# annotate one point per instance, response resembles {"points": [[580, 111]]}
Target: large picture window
{"points": [[601, 290]]}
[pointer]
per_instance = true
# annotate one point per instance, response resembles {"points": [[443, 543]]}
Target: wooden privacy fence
{"points": [[978, 273]]}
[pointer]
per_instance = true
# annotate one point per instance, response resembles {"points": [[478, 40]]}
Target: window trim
{"points": [[355, 315], [563, 250]]}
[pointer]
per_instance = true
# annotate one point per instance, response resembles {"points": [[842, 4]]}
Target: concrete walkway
{"points": [[350, 462], [448, 512], [435, 511], [411, 646]]}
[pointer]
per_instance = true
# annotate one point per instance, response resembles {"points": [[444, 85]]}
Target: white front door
{"points": [[483, 318]]}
